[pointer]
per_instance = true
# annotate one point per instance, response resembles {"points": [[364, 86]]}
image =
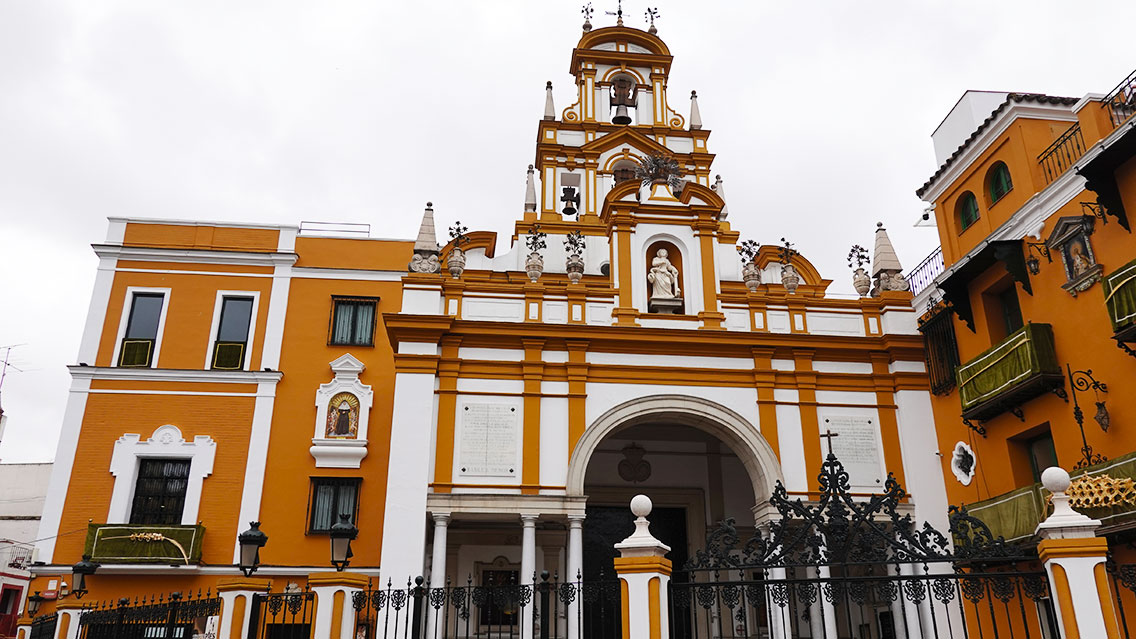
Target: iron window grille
{"points": [[940, 349], [137, 348], [352, 321], [231, 344], [159, 494], [329, 498]]}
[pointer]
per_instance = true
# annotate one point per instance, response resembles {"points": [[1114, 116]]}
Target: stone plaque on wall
{"points": [[857, 446], [489, 434]]}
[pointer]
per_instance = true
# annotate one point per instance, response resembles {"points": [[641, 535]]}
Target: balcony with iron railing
{"points": [[1012, 372], [1059, 156], [1121, 101], [922, 275], [1120, 302], [144, 544]]}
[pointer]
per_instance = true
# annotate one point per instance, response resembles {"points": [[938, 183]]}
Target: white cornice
{"points": [[173, 375], [321, 273], [166, 569], [194, 256], [976, 147], [229, 225]]}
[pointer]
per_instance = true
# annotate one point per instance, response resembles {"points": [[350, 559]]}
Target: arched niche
{"points": [[674, 254]]}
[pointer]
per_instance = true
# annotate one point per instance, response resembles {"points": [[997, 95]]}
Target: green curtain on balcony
{"points": [[1120, 296], [1025, 353]]}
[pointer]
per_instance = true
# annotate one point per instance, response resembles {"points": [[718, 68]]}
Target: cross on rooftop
{"points": [[618, 13]]}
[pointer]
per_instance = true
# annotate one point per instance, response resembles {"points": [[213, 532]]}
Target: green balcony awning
{"points": [[1019, 368], [1120, 297], [137, 544]]}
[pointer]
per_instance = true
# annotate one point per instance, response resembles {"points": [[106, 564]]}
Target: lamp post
{"points": [[33, 603], [251, 541], [342, 533], [79, 573], [1083, 381]]}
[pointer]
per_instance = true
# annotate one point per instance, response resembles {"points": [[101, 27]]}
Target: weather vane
{"points": [[650, 16], [587, 10], [618, 13]]}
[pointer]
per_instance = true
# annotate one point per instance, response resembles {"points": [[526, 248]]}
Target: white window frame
{"points": [[124, 319], [217, 303], [166, 442]]}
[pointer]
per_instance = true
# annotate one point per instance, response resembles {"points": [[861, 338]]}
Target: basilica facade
{"points": [[476, 413]]}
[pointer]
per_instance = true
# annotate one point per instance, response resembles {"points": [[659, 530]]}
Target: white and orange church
{"points": [[463, 413]]}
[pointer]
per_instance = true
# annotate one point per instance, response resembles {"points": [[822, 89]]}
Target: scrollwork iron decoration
{"points": [[1080, 382]]}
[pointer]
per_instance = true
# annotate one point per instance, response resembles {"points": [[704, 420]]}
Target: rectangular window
{"points": [[940, 350], [232, 333], [159, 493], [353, 321], [137, 349], [1011, 309], [330, 498], [1042, 454]]}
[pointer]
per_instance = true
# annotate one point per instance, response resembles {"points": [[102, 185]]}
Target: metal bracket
{"points": [[980, 428], [1126, 348], [1018, 412], [1060, 392]]}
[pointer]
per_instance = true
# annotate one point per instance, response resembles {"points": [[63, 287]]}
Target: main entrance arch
{"points": [[742, 437]]}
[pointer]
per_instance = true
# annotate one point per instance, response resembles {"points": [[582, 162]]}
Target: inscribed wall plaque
{"points": [[857, 446], [489, 437]]}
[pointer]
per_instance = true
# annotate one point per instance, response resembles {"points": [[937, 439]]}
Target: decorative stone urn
{"points": [[751, 275], [789, 278], [861, 281], [575, 268], [456, 262], [534, 266]]}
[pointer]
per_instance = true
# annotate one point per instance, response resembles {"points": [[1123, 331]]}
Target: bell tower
{"points": [[619, 117]]}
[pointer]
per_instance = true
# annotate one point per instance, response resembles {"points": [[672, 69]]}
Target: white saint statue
{"points": [[663, 277]]}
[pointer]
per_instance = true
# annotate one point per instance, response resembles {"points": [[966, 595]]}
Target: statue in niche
{"points": [[666, 296], [663, 277], [342, 417]]}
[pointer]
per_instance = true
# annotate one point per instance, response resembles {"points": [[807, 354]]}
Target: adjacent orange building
{"points": [[1028, 307]]}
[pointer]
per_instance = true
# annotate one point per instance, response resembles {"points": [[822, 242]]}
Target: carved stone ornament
{"points": [[343, 407], [861, 281], [633, 467], [789, 278], [575, 268], [456, 262], [534, 266], [751, 275], [424, 262], [1070, 238], [666, 295], [963, 463]]}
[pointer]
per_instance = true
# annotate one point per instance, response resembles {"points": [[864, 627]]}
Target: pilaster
{"points": [[334, 615], [236, 603], [532, 368]]}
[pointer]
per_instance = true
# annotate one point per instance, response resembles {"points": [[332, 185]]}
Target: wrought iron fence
{"points": [[43, 626], [1121, 101], [1124, 587], [161, 617], [1061, 155], [546, 609], [851, 567], [282, 615], [921, 276]]}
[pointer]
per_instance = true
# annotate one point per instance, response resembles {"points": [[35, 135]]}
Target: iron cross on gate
{"points": [[828, 435]]}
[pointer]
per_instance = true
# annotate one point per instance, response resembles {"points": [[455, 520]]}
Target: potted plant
{"points": [[789, 276], [858, 256], [456, 261], [534, 263], [659, 169], [574, 247], [751, 274]]}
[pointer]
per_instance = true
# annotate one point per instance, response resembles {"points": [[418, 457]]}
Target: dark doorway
{"points": [[606, 526]]}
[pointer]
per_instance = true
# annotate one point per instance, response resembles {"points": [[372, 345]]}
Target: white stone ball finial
{"points": [[1055, 479], [641, 505]]}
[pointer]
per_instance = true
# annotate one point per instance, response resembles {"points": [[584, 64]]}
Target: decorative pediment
{"points": [[627, 137], [1070, 239]]}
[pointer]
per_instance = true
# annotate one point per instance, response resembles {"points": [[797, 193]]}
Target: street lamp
{"points": [[1083, 381], [79, 574], [33, 603], [251, 540], [342, 533]]}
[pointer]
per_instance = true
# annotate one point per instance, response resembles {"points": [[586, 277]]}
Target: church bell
{"points": [[621, 116]]}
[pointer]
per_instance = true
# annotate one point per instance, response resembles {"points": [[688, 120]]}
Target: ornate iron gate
{"points": [[859, 567], [282, 615]]}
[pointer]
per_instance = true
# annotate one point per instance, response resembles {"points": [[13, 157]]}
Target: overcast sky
{"points": [[278, 111]]}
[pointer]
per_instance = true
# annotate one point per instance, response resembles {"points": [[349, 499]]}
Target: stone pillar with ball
{"points": [[1074, 558], [644, 574]]}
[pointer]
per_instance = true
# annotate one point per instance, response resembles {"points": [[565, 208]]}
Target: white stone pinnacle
{"points": [[1064, 523], [695, 116], [530, 191], [549, 107], [427, 240], [642, 543], [883, 255]]}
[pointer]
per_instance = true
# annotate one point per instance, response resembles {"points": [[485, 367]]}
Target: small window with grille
{"points": [[137, 348], [940, 349], [331, 497], [231, 345], [159, 492], [353, 321]]}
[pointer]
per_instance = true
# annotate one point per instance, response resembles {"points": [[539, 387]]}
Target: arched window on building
{"points": [[998, 181], [966, 210]]}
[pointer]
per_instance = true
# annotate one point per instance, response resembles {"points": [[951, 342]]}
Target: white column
{"points": [[575, 568], [910, 608], [437, 566], [779, 621], [828, 610], [528, 566]]}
